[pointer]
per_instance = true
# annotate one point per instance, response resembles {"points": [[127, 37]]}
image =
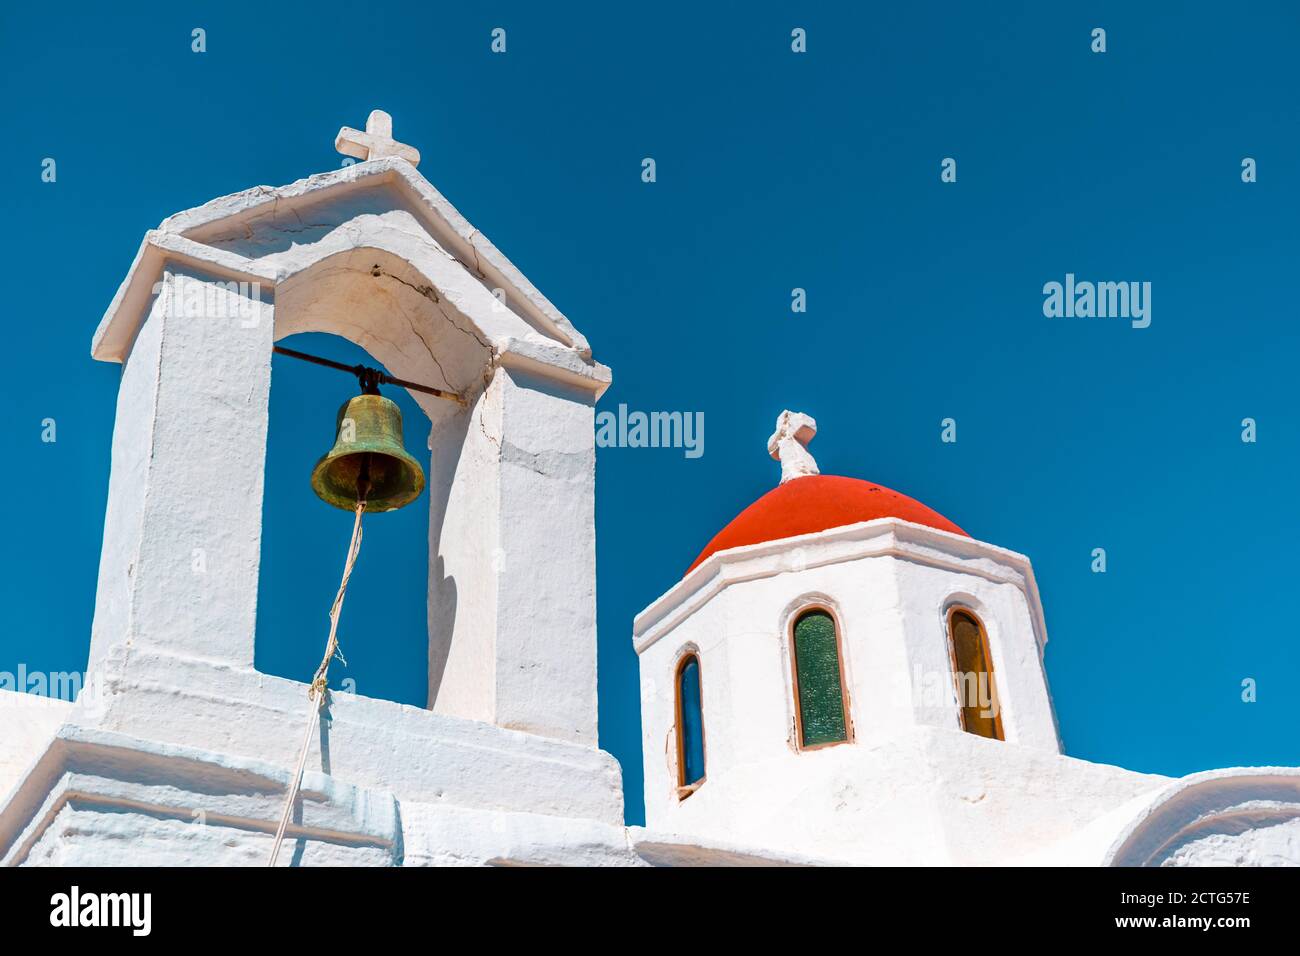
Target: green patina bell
{"points": [[368, 450]]}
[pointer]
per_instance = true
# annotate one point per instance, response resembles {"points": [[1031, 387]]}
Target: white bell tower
{"points": [[374, 253]]}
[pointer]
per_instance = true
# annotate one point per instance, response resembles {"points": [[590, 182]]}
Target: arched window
{"points": [[821, 707], [972, 668], [690, 726]]}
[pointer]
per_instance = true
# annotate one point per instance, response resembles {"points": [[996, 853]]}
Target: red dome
{"points": [[815, 503]]}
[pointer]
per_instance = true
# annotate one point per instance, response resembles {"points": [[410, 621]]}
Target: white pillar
{"points": [[513, 559], [182, 534]]}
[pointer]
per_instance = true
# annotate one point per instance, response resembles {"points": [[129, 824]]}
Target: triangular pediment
{"points": [[278, 236]]}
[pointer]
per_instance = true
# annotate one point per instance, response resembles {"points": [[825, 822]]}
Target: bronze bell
{"points": [[368, 451]]}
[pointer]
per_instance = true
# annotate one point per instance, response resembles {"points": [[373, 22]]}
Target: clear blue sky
{"points": [[775, 171]]}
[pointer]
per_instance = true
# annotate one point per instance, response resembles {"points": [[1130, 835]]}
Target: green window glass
{"points": [[817, 673]]}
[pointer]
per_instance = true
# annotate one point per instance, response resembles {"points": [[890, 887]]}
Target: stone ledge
{"points": [[419, 755], [197, 807], [666, 849], [30, 722], [1236, 816]]}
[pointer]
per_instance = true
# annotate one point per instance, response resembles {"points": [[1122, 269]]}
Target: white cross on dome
{"points": [[788, 444]]}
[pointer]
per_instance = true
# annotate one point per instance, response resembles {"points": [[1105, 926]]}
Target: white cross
{"points": [[376, 142], [794, 430]]}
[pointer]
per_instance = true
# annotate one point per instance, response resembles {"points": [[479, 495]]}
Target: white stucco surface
{"points": [[1242, 816], [909, 786], [27, 725], [373, 253], [182, 754]]}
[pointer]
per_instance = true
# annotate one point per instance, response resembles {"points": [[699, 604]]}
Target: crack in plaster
{"points": [[482, 425], [430, 293], [478, 267]]}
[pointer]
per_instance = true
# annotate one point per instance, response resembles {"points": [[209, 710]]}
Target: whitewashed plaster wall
{"points": [[374, 254], [1005, 608], [95, 797], [187, 477], [1275, 845], [1243, 816], [513, 590], [27, 725], [182, 754], [911, 786]]}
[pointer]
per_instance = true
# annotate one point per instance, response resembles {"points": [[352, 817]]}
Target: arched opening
{"points": [[821, 702], [383, 630], [972, 670], [690, 726]]}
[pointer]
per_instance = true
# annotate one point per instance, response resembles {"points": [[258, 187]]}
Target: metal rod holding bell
{"points": [[380, 377]]}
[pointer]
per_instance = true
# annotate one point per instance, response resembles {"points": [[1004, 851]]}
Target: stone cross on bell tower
{"points": [[376, 142], [788, 444]]}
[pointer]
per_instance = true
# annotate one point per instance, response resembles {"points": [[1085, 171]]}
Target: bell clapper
{"points": [[363, 479]]}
